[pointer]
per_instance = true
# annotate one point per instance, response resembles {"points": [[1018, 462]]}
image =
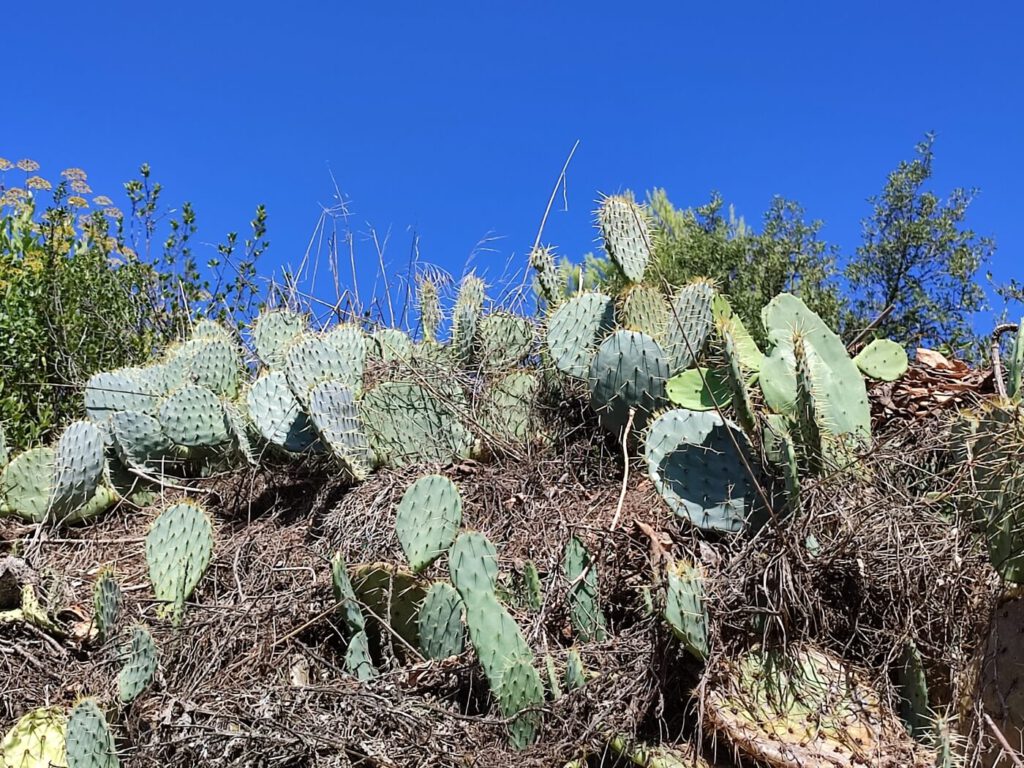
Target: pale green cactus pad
{"points": [[429, 302], [26, 484], [628, 374], [391, 345], [140, 441], [503, 340], [507, 407], [89, 741], [466, 316], [520, 697], [575, 329], [644, 309], [277, 414], [884, 360], [685, 610], [140, 666], [106, 605], [194, 417], [179, 547], [584, 598], [121, 390], [273, 331], [358, 661], [429, 516], [626, 234], [311, 359], [689, 324], [333, 411], [79, 463], [36, 740], [441, 630]]}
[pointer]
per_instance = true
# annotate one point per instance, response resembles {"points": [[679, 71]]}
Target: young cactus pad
{"points": [[106, 605], [882, 359], [89, 741], [506, 407], [139, 666], [628, 373], [358, 661], [430, 307], [440, 622], [574, 330], [466, 316], [626, 235], [685, 611], [644, 309], [428, 519], [521, 689], [273, 331], [314, 358], [696, 461], [179, 547], [584, 599]]}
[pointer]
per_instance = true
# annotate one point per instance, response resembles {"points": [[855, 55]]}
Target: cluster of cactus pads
{"points": [[728, 433]]}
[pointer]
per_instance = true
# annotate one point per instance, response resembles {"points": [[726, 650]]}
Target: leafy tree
{"points": [[751, 267], [918, 258], [76, 297]]}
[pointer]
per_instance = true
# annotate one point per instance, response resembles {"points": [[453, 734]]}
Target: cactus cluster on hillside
{"points": [[730, 435]]}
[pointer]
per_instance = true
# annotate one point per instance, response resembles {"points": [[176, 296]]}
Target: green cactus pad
{"points": [[503, 340], [36, 740], [4, 455], [140, 440], [273, 331], [626, 235], [429, 302], [1015, 374], [179, 547], [211, 363], [26, 484], [238, 426], [575, 329], [311, 359], [883, 359], [407, 424], [392, 597], [106, 605], [689, 324], [205, 328], [521, 689], [122, 390], [913, 689], [575, 672], [644, 309], [390, 345], [440, 622], [89, 741], [139, 666], [494, 634], [466, 316], [194, 417], [736, 372], [351, 346], [473, 563], [584, 598], [746, 352], [699, 389], [79, 462], [428, 519], [277, 415], [532, 589], [506, 407], [840, 391], [542, 259], [685, 610], [693, 461], [358, 660], [628, 373], [332, 410]]}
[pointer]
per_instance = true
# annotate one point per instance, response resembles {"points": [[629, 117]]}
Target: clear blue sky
{"points": [[453, 119]]}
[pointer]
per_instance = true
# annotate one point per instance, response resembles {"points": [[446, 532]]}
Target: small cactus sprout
{"points": [[139, 666], [584, 600], [106, 604], [684, 607], [358, 661], [430, 308]]}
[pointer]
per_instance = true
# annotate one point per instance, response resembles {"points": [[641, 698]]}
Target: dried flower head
{"points": [[113, 212], [79, 186], [102, 200], [37, 182], [28, 166], [78, 202], [73, 174], [5, 164], [15, 195]]}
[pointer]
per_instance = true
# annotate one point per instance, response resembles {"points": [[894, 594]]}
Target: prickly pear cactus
{"points": [[689, 324], [506, 407], [37, 740], [440, 622], [575, 329], [125, 389], [79, 462], [466, 315], [273, 331], [26, 483], [520, 697], [575, 672], [746, 352], [473, 563], [644, 309], [807, 709], [89, 741], [358, 661], [140, 666], [628, 374], [728, 332], [314, 358], [532, 588], [1015, 374], [429, 516], [406, 423], [626, 234], [430, 307], [685, 610], [913, 688], [4, 454], [277, 414], [179, 547], [391, 597], [390, 345], [106, 605], [333, 411], [542, 259], [584, 598], [193, 417], [503, 340], [699, 389], [698, 463], [140, 442], [882, 359]]}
